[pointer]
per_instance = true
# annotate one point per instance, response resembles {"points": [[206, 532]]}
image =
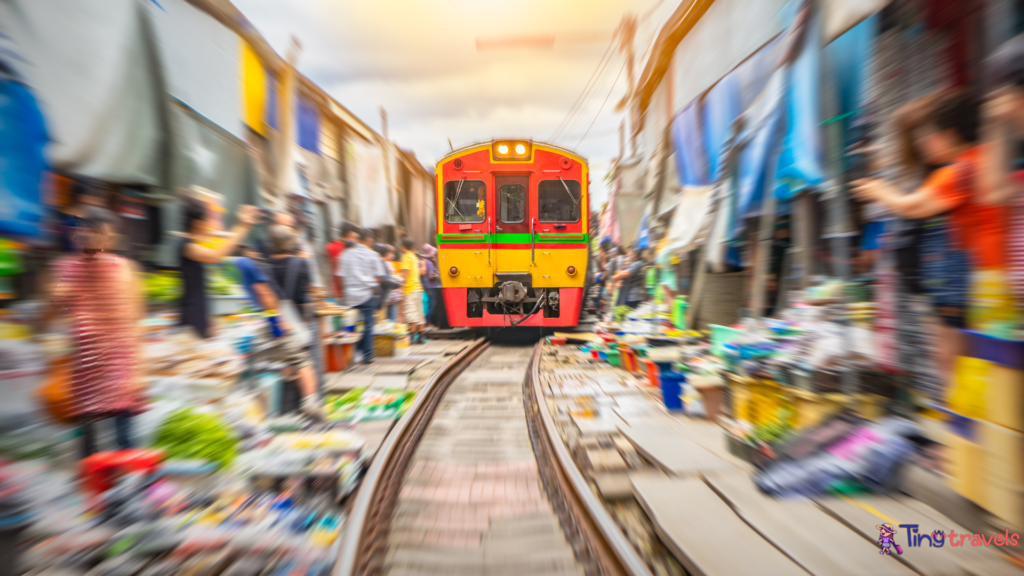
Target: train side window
{"points": [[559, 200], [512, 203], [465, 201]]}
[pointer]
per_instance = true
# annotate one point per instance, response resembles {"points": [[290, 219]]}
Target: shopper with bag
{"points": [[100, 293], [289, 276]]}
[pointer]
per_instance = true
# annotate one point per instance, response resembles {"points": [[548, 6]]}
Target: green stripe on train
{"points": [[509, 238]]}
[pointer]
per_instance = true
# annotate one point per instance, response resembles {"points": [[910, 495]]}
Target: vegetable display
{"points": [[189, 434], [360, 404], [163, 287]]}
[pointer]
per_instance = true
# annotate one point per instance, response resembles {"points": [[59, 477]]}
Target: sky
{"points": [[419, 60]]}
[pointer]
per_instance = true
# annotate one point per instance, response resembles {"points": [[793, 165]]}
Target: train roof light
{"points": [[511, 149]]}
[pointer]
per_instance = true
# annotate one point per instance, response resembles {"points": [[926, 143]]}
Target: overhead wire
{"points": [[591, 82], [601, 109]]}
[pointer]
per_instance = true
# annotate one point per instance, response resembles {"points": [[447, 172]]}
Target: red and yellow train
{"points": [[513, 233]]}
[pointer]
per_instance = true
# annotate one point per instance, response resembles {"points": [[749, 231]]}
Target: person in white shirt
{"points": [[360, 274]]}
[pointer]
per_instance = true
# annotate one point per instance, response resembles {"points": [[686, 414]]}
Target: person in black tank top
{"points": [[193, 256]]}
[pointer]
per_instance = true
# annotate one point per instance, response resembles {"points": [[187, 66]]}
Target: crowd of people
{"points": [[97, 290], [628, 277]]}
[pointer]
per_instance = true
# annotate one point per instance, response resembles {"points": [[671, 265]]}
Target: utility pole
{"points": [[286, 179], [627, 33], [389, 178]]}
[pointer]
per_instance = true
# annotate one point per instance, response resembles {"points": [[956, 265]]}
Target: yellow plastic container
{"points": [[813, 408], [967, 395]]}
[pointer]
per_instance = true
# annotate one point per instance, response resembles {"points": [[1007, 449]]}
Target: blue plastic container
{"points": [[666, 366], [1009, 353], [672, 389]]}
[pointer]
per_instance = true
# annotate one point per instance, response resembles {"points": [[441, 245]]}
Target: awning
{"points": [[202, 62], [90, 66], [801, 163], [691, 208], [691, 160], [842, 15], [369, 199], [759, 138], [721, 107], [22, 139]]}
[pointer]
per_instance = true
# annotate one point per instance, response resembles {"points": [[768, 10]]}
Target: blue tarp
{"points": [[687, 137], [752, 170], [308, 135], [849, 64], [721, 106], [801, 163], [22, 139], [755, 72]]}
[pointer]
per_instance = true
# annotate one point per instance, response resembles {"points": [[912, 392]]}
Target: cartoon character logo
{"points": [[885, 537]]}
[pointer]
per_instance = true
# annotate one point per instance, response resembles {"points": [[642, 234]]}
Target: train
{"points": [[513, 234]]}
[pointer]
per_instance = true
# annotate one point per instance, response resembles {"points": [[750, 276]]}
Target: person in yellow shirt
{"points": [[481, 204], [410, 268]]}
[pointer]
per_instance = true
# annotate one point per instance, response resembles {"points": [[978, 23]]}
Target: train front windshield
{"points": [[465, 201]]}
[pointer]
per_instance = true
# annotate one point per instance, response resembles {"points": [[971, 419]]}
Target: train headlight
{"points": [[453, 271], [511, 150], [571, 270]]}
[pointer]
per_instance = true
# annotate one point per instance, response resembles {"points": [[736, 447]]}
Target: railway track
{"points": [[475, 480]]}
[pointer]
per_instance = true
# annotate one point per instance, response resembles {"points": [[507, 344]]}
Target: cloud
{"points": [[418, 59]]}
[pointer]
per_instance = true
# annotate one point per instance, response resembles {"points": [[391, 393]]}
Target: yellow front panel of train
{"points": [[550, 269]]}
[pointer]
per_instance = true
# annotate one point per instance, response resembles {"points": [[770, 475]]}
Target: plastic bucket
{"points": [[672, 389], [614, 358]]}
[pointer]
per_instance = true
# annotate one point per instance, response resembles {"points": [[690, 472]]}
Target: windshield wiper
{"points": [[575, 202], [455, 203]]}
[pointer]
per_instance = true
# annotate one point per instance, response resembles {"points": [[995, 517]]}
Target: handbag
{"points": [[286, 308], [55, 393]]}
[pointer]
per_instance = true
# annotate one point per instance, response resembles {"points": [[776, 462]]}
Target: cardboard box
{"points": [[1003, 472], [1004, 396], [966, 460]]}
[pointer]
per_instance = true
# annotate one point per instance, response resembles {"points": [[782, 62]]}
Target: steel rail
{"points": [[584, 517], [362, 546]]}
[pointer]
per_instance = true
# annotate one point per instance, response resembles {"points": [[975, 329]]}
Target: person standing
{"points": [[289, 275], [410, 269], [196, 252], [431, 279], [349, 239], [100, 293], [392, 297], [361, 273], [334, 250], [631, 278]]}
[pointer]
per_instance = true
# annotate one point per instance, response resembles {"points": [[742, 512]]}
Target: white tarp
{"points": [[201, 59], [369, 198], [728, 33], [91, 66], [841, 15], [691, 207]]}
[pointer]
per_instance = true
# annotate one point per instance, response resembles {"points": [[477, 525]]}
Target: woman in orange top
{"points": [[943, 128], [946, 138]]}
